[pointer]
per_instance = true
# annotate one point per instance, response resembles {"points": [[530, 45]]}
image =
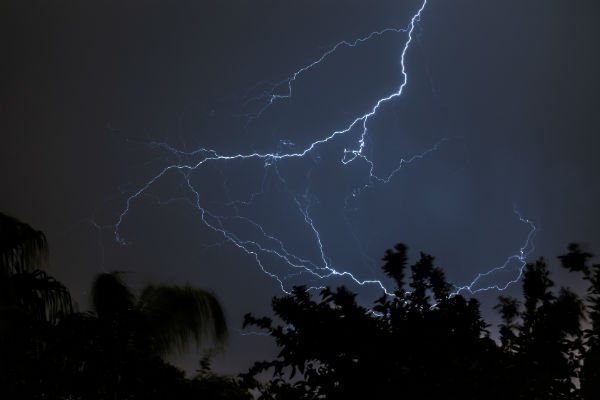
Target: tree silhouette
{"points": [[420, 343], [426, 343], [117, 348], [24, 287], [577, 260], [47, 351], [31, 303], [542, 338], [164, 318]]}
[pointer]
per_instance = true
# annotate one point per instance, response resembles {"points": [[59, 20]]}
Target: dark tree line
{"points": [[422, 342], [425, 343]]}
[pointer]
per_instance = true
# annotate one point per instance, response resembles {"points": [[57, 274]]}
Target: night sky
{"points": [[100, 97]]}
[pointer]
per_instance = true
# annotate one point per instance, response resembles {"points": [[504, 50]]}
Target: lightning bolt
{"points": [[515, 262], [266, 248]]}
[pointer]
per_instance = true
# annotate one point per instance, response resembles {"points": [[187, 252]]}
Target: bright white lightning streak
{"points": [[288, 82], [278, 250], [520, 258]]}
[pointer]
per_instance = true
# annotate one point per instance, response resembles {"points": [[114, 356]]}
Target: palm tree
{"points": [[21, 246], [24, 287], [113, 352], [116, 350], [31, 304], [162, 318]]}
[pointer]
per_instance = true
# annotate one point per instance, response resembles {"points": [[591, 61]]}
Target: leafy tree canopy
{"points": [[426, 343]]}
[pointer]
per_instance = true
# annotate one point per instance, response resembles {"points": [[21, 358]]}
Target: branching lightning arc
{"points": [[265, 246]]}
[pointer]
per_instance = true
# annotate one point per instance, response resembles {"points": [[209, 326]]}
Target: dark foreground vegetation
{"points": [[421, 343]]}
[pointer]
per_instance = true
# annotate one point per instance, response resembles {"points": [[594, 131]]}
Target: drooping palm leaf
{"points": [[22, 285], [22, 248], [40, 295], [179, 315]]}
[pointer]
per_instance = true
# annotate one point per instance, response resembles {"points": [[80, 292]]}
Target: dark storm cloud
{"points": [[86, 86]]}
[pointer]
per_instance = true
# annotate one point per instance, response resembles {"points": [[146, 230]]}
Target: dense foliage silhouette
{"points": [[423, 342], [426, 343]]}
